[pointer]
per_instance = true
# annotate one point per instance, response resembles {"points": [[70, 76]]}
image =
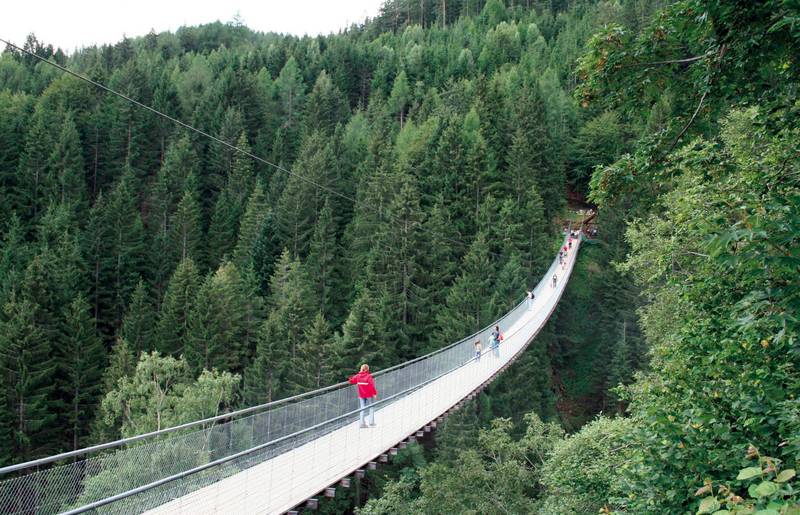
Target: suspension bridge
{"points": [[280, 456]]}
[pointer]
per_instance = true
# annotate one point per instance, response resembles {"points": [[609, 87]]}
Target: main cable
{"points": [[260, 159]]}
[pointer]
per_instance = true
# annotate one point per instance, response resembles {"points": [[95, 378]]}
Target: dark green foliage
{"points": [[447, 123], [138, 324], [27, 366], [80, 357], [222, 322], [179, 302]]}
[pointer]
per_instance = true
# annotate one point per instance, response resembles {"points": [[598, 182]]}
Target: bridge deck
{"points": [[286, 480]]}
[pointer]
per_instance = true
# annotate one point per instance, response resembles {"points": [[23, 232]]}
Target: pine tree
{"points": [[27, 367], [399, 99], [137, 326], [31, 184], [469, 304], [221, 321], [319, 349], [173, 322], [81, 358], [172, 181], [186, 227], [290, 91], [116, 242], [323, 266], [325, 106], [301, 201], [251, 227], [65, 168], [359, 341], [264, 377]]}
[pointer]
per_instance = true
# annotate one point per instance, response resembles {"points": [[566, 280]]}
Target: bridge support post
{"points": [[312, 504], [330, 492]]}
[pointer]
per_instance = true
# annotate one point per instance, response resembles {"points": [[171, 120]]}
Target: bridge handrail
{"points": [[237, 413], [385, 400]]}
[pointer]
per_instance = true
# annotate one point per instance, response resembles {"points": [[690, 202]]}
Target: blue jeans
{"points": [[364, 403]]}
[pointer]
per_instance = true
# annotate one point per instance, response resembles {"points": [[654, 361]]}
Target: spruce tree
{"points": [[324, 267], [169, 189], [230, 206], [325, 106], [394, 271], [469, 304], [65, 168], [26, 362], [121, 363], [265, 375], [301, 200], [179, 301], [221, 322], [186, 234], [319, 349], [251, 227], [290, 92], [117, 252], [359, 341], [399, 99], [80, 358], [31, 183], [138, 324]]}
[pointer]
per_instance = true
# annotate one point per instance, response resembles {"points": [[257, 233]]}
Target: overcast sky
{"points": [[79, 23]]}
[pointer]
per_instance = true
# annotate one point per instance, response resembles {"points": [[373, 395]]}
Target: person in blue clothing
{"points": [[478, 351], [495, 339]]}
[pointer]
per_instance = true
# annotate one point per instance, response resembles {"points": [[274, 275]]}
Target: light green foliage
{"points": [[162, 393], [498, 475], [770, 490], [582, 472]]}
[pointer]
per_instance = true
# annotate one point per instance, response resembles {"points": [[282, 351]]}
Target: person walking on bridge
{"points": [[495, 338], [531, 296], [366, 394]]}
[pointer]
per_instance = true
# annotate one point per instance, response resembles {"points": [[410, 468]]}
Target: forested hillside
{"points": [[704, 96], [411, 180], [413, 171]]}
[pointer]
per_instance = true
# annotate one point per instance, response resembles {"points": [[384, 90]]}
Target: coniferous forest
{"points": [[412, 183]]}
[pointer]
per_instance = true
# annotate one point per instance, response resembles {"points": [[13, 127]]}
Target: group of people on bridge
{"points": [[368, 394]]}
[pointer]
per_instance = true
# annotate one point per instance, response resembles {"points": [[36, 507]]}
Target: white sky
{"points": [[74, 24]]}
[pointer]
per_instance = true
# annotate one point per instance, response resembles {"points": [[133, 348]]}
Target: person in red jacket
{"points": [[366, 394]]}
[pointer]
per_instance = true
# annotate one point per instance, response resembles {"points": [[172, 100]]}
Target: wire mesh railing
{"points": [[124, 466]]}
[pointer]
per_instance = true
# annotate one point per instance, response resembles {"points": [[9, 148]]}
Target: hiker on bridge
{"points": [[478, 349], [366, 394], [495, 339], [555, 280], [531, 296]]}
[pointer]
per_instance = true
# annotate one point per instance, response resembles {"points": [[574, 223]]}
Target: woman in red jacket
{"points": [[366, 394]]}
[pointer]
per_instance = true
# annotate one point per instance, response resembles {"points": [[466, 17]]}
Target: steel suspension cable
{"points": [[328, 189]]}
